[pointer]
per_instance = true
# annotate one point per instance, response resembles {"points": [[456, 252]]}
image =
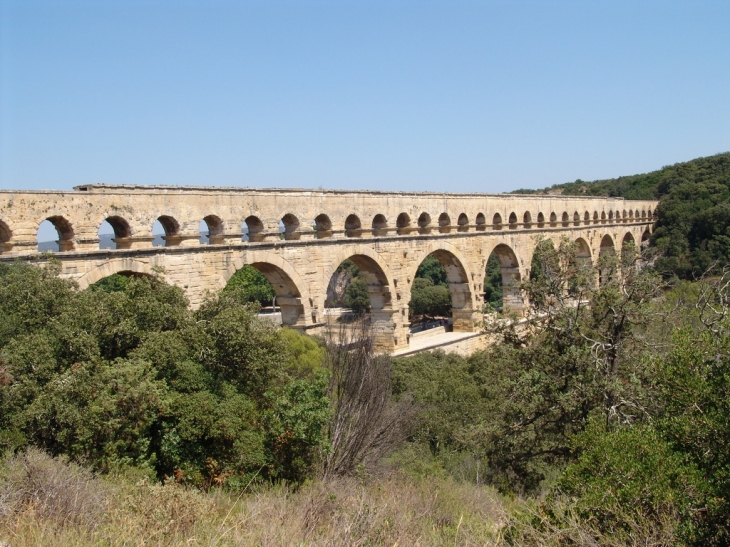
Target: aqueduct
{"points": [[298, 238]]}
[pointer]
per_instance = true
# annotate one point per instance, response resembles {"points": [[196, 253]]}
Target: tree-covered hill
{"points": [[693, 224]]}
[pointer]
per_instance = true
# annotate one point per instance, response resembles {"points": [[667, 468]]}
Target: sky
{"points": [[394, 95]]}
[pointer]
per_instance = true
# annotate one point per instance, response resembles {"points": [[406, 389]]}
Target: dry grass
{"points": [[395, 510]]}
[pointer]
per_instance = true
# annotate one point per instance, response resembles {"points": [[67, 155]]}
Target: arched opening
{"points": [[403, 224], [583, 253], [481, 222], [643, 215], [576, 219], [272, 288], [289, 227], [253, 229], [322, 227], [114, 233], [444, 223], [586, 218], [512, 221], [441, 290], [603, 217], [353, 228], [502, 281], [55, 234], [424, 223], [359, 288], [5, 236], [628, 246], [566, 220], [631, 215], [380, 225], [527, 220], [553, 220], [649, 214], [637, 215], [645, 238], [610, 216], [463, 222], [624, 216], [165, 232], [211, 230], [540, 220], [497, 221], [606, 262], [117, 282], [595, 217]]}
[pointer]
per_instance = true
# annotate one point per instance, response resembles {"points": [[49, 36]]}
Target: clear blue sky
{"points": [[459, 96]]}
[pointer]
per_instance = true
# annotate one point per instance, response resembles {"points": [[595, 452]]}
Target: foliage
{"points": [[493, 283], [357, 296], [133, 377], [432, 269], [111, 283], [429, 299], [251, 286]]}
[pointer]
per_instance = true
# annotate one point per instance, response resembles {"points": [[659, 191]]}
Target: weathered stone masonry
{"points": [[387, 234]]}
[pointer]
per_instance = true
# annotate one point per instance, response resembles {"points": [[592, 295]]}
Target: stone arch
{"points": [[353, 226], [511, 277], [553, 219], [481, 222], [607, 248], [253, 229], [424, 223], [610, 216], [576, 219], [444, 223], [122, 232], [643, 215], [322, 226], [453, 262], [512, 221], [637, 215], [171, 229], [595, 217], [624, 216], [527, 220], [403, 224], [114, 266], [65, 232], [645, 237], [5, 235], [631, 214], [463, 222], [603, 217], [497, 221], [380, 225], [627, 243], [586, 218], [290, 289], [540, 220], [290, 224], [565, 219], [215, 230], [583, 253]]}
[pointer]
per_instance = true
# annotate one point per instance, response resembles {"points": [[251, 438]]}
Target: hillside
{"points": [[693, 224]]}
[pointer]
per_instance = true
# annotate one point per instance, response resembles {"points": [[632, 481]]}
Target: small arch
{"points": [[595, 217], [565, 219], [211, 230], [165, 231], [5, 235], [610, 216], [512, 221], [586, 218], [637, 215], [289, 227], [481, 222], [540, 220], [463, 222], [114, 233], [380, 225], [59, 227], [353, 227], [527, 220], [424, 223], [252, 229], [631, 215], [444, 223], [497, 221], [624, 216], [322, 227], [649, 214], [553, 220], [403, 224], [643, 215], [603, 217], [576, 219]]}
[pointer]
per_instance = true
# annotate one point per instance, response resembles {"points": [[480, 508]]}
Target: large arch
{"points": [[114, 266], [511, 277], [605, 267], [454, 264], [290, 289], [583, 253]]}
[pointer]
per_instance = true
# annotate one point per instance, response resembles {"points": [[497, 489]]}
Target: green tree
{"points": [[429, 299], [252, 286], [357, 296]]}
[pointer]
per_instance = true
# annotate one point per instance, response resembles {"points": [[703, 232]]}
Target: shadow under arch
{"points": [[511, 277], [583, 256], [462, 298], [5, 234], [606, 250]]}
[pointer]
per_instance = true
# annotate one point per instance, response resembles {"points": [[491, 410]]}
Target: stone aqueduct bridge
{"points": [[387, 234]]}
